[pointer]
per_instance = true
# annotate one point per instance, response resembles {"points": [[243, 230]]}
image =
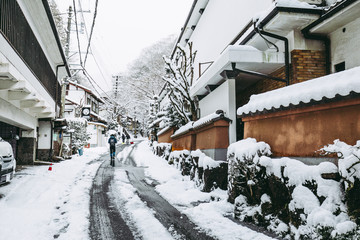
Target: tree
{"points": [[59, 23], [80, 137], [179, 78], [143, 80]]}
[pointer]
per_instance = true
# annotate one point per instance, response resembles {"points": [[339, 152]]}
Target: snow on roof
{"points": [[341, 83], [80, 120], [163, 130], [293, 4], [92, 92], [199, 123], [283, 4]]}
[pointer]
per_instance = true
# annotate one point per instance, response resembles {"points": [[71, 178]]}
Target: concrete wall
{"points": [[302, 131], [345, 45], [222, 98]]}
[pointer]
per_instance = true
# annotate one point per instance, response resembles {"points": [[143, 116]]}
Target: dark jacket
{"points": [[112, 141]]}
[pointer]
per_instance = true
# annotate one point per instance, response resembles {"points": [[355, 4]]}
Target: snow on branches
{"points": [[179, 78]]}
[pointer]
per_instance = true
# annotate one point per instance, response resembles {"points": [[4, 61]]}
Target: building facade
{"points": [[81, 101], [32, 66], [249, 48]]}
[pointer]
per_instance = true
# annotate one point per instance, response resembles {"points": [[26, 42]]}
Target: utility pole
{"points": [[68, 33], [67, 50]]}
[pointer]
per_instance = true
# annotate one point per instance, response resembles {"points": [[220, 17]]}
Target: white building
{"points": [[250, 47], [32, 65], [78, 99]]}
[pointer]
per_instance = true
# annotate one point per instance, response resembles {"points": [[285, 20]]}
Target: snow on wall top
{"points": [[199, 123], [341, 83], [183, 129], [163, 130]]}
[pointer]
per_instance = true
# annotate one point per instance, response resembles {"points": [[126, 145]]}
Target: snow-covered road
{"points": [[41, 204]]}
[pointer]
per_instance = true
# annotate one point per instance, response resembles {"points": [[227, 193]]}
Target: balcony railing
{"points": [[17, 31]]}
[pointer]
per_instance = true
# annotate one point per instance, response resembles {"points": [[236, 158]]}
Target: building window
{"points": [[340, 67]]}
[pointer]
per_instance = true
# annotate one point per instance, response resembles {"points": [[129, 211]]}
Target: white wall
{"points": [[345, 45], [44, 140], [220, 24], [222, 98]]}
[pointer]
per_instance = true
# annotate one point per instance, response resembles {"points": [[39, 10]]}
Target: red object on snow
{"points": [[50, 168], [131, 142]]}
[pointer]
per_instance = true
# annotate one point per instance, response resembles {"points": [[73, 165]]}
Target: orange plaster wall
{"points": [[183, 142], [165, 137], [213, 136], [302, 133]]}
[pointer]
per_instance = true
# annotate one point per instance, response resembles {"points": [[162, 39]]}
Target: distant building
{"points": [[81, 101]]}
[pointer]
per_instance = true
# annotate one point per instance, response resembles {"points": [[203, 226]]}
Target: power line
{"points": [[89, 46], [91, 32], [77, 33]]}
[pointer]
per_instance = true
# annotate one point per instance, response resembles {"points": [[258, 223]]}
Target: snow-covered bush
{"points": [[243, 171], [295, 200], [207, 173], [79, 137], [349, 170], [162, 149], [181, 160]]}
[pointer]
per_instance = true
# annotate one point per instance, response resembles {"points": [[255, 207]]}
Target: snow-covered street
{"points": [[42, 204]]}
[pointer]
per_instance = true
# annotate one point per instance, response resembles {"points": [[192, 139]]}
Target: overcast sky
{"points": [[124, 27]]}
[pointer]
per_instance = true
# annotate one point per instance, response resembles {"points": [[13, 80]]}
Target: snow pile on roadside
{"points": [[205, 161], [210, 211], [42, 204]]}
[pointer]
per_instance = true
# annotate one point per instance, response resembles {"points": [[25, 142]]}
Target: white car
{"points": [[7, 162]]}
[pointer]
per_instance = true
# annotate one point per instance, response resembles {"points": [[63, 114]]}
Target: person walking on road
{"points": [[123, 138], [112, 141]]}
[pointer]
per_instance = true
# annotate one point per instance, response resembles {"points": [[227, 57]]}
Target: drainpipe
{"points": [[286, 43], [326, 40]]}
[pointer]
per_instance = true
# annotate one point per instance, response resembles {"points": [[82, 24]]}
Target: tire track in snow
{"points": [[106, 222]]}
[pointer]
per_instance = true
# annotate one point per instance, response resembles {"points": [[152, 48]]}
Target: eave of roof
{"points": [[184, 28], [269, 17], [331, 12]]}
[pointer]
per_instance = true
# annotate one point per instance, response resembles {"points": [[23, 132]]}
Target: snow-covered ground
{"points": [[41, 204], [211, 214]]}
